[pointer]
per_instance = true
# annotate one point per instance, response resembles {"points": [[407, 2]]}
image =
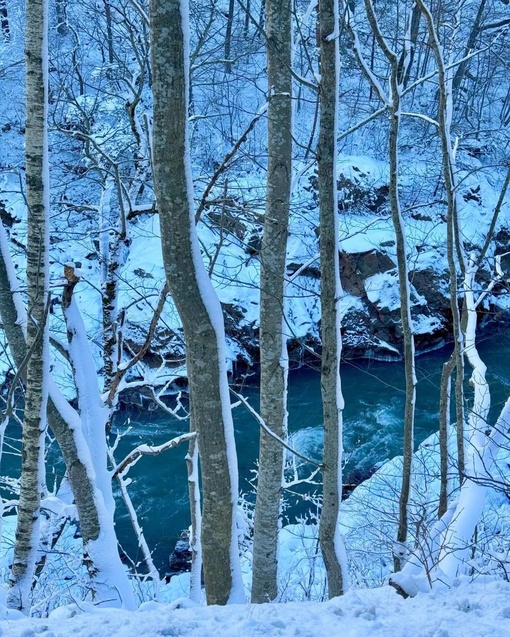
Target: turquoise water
{"points": [[374, 405]]}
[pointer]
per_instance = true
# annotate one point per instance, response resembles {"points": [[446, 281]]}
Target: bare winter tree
{"points": [[34, 422], [273, 345], [392, 102], [196, 301], [332, 547]]}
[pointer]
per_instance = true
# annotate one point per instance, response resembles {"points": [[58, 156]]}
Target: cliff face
{"points": [[230, 240], [370, 303]]}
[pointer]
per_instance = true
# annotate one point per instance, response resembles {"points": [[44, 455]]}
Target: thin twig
{"points": [[261, 422]]}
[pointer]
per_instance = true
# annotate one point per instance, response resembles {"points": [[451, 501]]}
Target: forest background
{"points": [[416, 180]]}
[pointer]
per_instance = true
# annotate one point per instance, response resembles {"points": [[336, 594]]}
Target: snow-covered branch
{"points": [[149, 450]]}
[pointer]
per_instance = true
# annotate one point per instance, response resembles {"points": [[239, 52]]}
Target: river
{"points": [[374, 406]]}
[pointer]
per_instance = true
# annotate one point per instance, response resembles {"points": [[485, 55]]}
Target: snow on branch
{"points": [[148, 450], [367, 71], [430, 120]]}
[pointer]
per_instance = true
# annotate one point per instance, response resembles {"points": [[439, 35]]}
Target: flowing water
{"points": [[373, 415], [374, 406]]}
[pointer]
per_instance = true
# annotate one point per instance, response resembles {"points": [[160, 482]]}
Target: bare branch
{"points": [[261, 422]]}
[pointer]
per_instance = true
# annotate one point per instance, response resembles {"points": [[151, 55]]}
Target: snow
{"points": [[462, 610], [459, 610], [382, 290]]}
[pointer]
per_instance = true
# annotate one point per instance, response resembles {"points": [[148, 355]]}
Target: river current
{"points": [[373, 415], [372, 426]]}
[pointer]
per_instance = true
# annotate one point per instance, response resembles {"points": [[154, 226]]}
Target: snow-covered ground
{"points": [[477, 603], [465, 609]]}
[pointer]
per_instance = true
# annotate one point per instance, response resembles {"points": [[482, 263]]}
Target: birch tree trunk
{"points": [[95, 524], [273, 346], [34, 422], [332, 548], [196, 301]]}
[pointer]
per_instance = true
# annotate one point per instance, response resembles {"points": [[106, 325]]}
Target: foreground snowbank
{"points": [[466, 609]]}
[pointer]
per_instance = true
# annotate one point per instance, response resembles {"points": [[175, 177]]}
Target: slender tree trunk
{"points": [[273, 346], [228, 36], [454, 245], [196, 301], [34, 422], [406, 58], [331, 544], [460, 73], [61, 15], [444, 429], [109, 31], [407, 327], [394, 108]]}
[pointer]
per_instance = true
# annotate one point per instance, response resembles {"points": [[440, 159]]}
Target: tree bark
{"points": [[460, 73], [196, 301], [34, 422], [273, 346], [394, 108], [332, 549], [444, 429]]}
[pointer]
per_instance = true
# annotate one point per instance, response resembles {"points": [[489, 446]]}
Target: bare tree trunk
{"points": [[228, 36], [109, 31], [34, 422], [331, 545], [460, 73], [444, 428], [406, 58], [273, 346], [453, 240], [394, 108], [61, 15], [196, 301]]}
